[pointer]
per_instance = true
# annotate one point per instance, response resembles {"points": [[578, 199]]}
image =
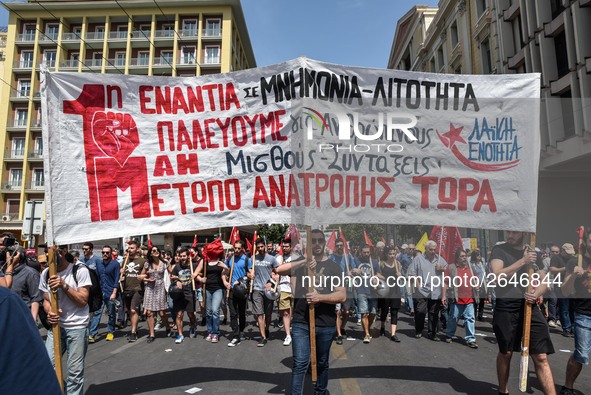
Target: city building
{"points": [[3, 31], [511, 36], [171, 38]]}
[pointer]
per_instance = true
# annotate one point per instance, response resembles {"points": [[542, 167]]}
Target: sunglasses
{"points": [[85, 249], [106, 252], [157, 251]]}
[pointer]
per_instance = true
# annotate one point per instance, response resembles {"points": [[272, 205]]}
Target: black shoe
{"points": [[395, 339], [344, 333], [132, 337], [150, 339], [472, 345], [566, 391], [339, 339], [566, 333], [382, 332], [267, 333], [433, 337], [203, 323], [262, 342]]}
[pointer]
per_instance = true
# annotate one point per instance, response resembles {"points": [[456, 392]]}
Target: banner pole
{"points": [[55, 328], [312, 315], [523, 366]]}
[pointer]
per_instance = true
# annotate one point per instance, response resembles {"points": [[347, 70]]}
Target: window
{"points": [[38, 147], [99, 32], [188, 55], [432, 65], [146, 29], [26, 59], [77, 30], [120, 58], [143, 58], [18, 147], [517, 35], [561, 54], [568, 119], [52, 31], [453, 30], [97, 59], [20, 118], [486, 58], [121, 32], [74, 59], [15, 177], [440, 58], [212, 55], [168, 30], [29, 32], [480, 7], [166, 58], [213, 27], [12, 207], [24, 88], [556, 7], [37, 179], [190, 28], [49, 58]]}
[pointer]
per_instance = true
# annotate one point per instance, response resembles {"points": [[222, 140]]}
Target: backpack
{"points": [[95, 294]]}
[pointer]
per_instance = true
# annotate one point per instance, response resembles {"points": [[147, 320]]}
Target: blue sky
{"points": [[349, 32]]}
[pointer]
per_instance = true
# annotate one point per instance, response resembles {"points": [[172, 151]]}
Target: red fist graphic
{"points": [[115, 134]]}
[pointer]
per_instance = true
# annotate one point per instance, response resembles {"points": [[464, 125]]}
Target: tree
{"points": [[274, 233]]}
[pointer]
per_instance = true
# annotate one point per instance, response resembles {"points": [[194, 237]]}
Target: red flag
{"points": [[383, 240], [367, 239], [251, 246], [330, 244], [194, 245], [293, 234], [346, 245], [149, 243], [234, 235], [248, 245], [448, 241]]}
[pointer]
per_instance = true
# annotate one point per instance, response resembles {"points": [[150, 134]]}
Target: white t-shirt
{"points": [[73, 316], [285, 281]]}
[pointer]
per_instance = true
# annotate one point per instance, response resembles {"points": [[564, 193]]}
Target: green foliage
{"points": [[274, 233]]}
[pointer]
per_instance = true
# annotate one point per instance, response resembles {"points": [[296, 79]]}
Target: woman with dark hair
{"points": [[155, 293], [216, 281], [480, 271], [391, 270]]}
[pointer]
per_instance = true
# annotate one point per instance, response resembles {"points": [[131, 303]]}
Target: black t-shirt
{"points": [[510, 297], [325, 313], [184, 275], [582, 286], [214, 278], [558, 261]]}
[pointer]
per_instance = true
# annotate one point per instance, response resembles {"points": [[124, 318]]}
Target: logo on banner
{"points": [[110, 138], [489, 147]]}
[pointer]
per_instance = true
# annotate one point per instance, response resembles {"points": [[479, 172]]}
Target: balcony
{"points": [[36, 155], [95, 36], [163, 61], [36, 124], [139, 62], [20, 96], [16, 155], [186, 61], [25, 38], [48, 38], [18, 123], [69, 64], [116, 63], [93, 63], [118, 36], [35, 186], [188, 33], [211, 33], [71, 37], [23, 64], [11, 187], [211, 61], [164, 34]]}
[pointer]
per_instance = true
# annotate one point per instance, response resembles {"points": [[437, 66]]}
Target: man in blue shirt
{"points": [[89, 259], [237, 303], [108, 272], [345, 261], [366, 268]]}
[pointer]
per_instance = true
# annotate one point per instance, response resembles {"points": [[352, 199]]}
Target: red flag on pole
{"points": [[367, 239], [293, 234], [448, 241], [383, 240], [149, 243], [346, 245], [248, 245], [234, 235], [194, 245], [330, 244]]}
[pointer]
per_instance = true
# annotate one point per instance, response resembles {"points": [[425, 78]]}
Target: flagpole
{"points": [[55, 328], [312, 316], [523, 366]]}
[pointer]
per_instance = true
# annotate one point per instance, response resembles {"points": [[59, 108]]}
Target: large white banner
{"points": [[298, 142]]}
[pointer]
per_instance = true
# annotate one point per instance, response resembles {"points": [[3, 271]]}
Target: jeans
{"points": [[300, 345], [75, 342], [213, 300], [237, 314], [408, 299], [455, 312], [566, 314], [96, 317], [429, 307], [582, 339]]}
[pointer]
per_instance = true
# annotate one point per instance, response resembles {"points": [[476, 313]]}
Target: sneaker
{"points": [[179, 339], [367, 339], [192, 333], [91, 339], [566, 391], [339, 339], [132, 337], [262, 342], [448, 340], [411, 314], [215, 339], [395, 339], [287, 341], [280, 325], [472, 345], [110, 337], [418, 336], [158, 326], [150, 339], [234, 342], [208, 338], [552, 324], [433, 337], [358, 322], [566, 333]]}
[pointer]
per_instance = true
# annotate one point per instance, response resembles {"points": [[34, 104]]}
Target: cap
{"points": [[380, 244], [404, 246], [568, 248]]}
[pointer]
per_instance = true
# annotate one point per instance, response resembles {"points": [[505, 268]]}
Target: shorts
{"points": [[186, 304], [285, 299], [133, 300], [260, 304], [508, 328], [582, 338], [346, 305], [367, 304]]}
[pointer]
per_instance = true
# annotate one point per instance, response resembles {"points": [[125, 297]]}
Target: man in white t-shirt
{"points": [[284, 288], [72, 317]]}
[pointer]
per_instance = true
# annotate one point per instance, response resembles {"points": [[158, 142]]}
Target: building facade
{"points": [[517, 36], [171, 38]]}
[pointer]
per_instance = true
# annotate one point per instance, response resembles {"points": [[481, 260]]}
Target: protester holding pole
{"points": [[323, 325], [508, 259], [70, 320]]}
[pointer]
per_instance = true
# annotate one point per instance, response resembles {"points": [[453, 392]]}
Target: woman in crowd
{"points": [[391, 269], [479, 270], [155, 293]]}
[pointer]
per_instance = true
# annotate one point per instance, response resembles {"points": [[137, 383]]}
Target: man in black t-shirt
{"points": [[509, 259], [577, 283], [324, 298]]}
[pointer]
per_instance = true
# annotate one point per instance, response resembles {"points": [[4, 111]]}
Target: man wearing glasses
{"points": [[108, 272], [262, 307], [132, 287], [89, 259]]}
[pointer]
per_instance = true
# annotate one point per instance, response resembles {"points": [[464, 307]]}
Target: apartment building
{"points": [[171, 38], [516, 36]]}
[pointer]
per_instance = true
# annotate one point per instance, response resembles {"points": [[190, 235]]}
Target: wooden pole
{"points": [[230, 280], [523, 366], [581, 243], [312, 314], [55, 328], [124, 267]]}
